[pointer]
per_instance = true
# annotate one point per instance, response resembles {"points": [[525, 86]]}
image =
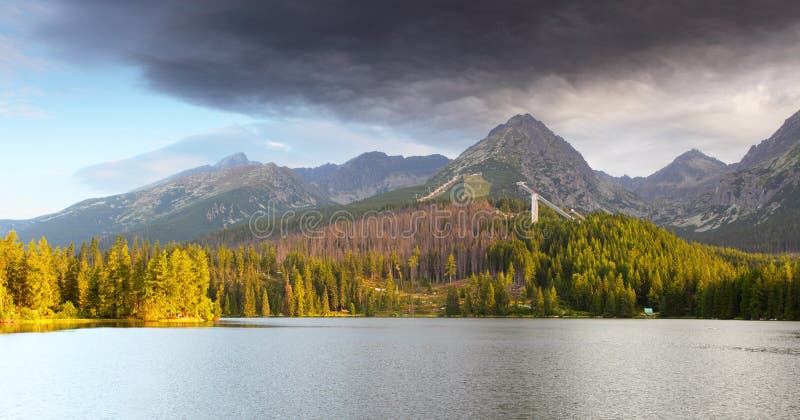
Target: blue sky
{"points": [[64, 125], [98, 98], [59, 119]]}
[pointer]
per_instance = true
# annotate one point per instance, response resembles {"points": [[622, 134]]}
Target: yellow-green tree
{"points": [[265, 311], [41, 284], [450, 267]]}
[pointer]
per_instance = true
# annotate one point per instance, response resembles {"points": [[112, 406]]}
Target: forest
{"points": [[479, 260]]}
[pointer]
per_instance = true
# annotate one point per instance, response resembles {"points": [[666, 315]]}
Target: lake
{"points": [[402, 368]]}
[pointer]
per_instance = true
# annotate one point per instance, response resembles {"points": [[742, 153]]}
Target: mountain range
{"points": [[212, 197], [753, 204], [371, 173]]}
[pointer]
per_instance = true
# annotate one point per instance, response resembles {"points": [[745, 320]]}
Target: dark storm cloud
{"points": [[416, 65]]}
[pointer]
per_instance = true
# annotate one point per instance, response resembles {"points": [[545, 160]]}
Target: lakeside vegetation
{"points": [[608, 265]]}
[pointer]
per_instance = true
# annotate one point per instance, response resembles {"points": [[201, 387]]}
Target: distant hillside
{"points": [[752, 205], [757, 206]]}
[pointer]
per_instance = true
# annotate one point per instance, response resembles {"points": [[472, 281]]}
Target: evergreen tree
{"points": [[452, 306], [326, 308], [540, 306], [299, 294], [249, 301], [490, 303], [288, 299], [265, 312]]}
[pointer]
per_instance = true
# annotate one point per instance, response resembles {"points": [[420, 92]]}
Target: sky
{"points": [[99, 97]]}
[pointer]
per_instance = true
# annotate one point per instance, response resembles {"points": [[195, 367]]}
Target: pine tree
{"points": [[249, 301], [326, 307], [41, 285], [490, 303], [299, 294], [551, 301], [288, 299], [6, 300], [540, 306], [467, 309], [154, 294], [265, 312], [452, 306], [14, 256]]}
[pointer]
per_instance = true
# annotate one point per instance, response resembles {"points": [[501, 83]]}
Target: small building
{"points": [[648, 311]]}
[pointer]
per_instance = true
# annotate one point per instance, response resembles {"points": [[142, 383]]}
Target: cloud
{"points": [[14, 59], [444, 71], [276, 145], [16, 102], [310, 145]]}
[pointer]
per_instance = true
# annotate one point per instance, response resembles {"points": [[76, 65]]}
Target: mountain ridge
{"points": [[698, 195], [371, 173], [687, 174]]}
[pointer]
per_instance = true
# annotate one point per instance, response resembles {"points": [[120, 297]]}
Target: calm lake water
{"points": [[409, 368]]}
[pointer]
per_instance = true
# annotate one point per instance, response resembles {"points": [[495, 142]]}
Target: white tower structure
{"points": [[535, 198]]}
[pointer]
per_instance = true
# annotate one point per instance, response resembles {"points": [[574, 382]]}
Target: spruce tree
{"points": [[452, 306], [265, 312]]}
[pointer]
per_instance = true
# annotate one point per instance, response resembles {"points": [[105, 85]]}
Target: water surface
{"points": [[431, 368]]}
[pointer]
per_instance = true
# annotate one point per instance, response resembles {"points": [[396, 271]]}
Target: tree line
{"points": [[607, 265]]}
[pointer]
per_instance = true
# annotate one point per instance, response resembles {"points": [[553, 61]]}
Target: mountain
{"points": [[183, 206], [232, 161], [524, 149], [757, 205], [212, 197], [371, 173], [687, 175], [318, 173]]}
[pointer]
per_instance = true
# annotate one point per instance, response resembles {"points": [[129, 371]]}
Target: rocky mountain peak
{"points": [[523, 123], [693, 163], [524, 149], [234, 160], [691, 155]]}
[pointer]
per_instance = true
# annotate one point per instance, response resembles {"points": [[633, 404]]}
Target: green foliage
{"points": [[452, 305], [67, 311], [607, 265], [265, 311]]}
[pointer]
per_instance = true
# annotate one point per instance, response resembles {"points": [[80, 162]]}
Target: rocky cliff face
{"points": [[753, 204], [763, 184]]}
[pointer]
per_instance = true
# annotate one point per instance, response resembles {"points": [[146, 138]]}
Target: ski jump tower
{"points": [[536, 198]]}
